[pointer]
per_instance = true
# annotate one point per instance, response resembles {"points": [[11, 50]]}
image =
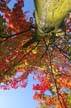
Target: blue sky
{"points": [[28, 5], [20, 98]]}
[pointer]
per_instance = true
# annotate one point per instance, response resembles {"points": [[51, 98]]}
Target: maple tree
{"points": [[23, 52]]}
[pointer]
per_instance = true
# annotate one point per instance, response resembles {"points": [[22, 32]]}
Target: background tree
{"points": [[23, 52]]}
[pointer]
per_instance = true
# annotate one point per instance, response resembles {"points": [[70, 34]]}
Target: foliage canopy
{"points": [[24, 52]]}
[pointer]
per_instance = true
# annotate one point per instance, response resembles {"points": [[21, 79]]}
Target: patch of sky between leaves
{"points": [[11, 4], [28, 7]]}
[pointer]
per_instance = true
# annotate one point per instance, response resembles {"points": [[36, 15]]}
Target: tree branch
{"points": [[63, 52], [21, 59], [12, 35], [55, 82], [31, 41]]}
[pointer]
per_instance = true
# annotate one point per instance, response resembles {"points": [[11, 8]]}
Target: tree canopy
{"points": [[24, 52]]}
